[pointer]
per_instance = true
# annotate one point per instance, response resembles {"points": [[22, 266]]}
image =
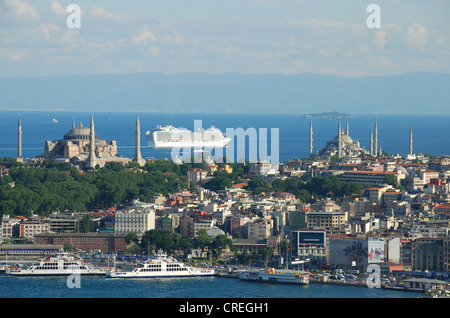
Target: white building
{"points": [[260, 229], [9, 227], [29, 229], [262, 168], [134, 220]]}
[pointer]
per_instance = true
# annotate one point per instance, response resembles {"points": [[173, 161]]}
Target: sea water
{"points": [[179, 287], [430, 132]]}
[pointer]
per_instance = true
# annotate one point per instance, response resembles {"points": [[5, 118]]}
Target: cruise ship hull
{"points": [[200, 144], [171, 137]]}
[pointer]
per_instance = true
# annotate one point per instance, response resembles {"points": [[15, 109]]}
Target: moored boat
{"points": [[58, 264], [160, 265], [275, 276]]}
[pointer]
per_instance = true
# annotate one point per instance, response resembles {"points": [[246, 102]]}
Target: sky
{"points": [[222, 36]]}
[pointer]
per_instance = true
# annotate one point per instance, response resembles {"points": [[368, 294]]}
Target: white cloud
{"points": [[47, 29], [57, 9], [103, 13], [172, 38], [22, 9], [153, 51], [416, 36], [15, 55], [143, 36]]}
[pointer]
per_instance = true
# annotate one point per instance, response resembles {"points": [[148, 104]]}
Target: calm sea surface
{"points": [[430, 132], [198, 287]]}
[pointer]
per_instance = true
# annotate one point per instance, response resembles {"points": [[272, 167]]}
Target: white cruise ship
{"points": [[58, 264], [160, 265], [170, 136], [275, 276]]}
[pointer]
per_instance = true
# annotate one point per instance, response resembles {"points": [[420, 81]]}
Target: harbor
{"points": [[100, 265]]}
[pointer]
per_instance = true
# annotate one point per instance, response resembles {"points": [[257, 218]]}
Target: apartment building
{"points": [[134, 220], [325, 220]]}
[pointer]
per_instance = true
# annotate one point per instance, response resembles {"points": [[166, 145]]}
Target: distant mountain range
{"points": [[414, 93]]}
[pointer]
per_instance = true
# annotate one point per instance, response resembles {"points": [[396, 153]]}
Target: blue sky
{"points": [[212, 36]]}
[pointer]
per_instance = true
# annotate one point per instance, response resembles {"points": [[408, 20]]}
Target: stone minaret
{"points": [[371, 141], [91, 159], [339, 141], [310, 139], [137, 152], [346, 128], [375, 137], [19, 141], [410, 142]]}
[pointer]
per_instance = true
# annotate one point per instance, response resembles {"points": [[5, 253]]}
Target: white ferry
{"points": [[58, 264], [275, 276], [160, 265], [170, 136]]}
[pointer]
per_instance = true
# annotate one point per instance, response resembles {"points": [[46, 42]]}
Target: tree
{"points": [[186, 245], [86, 225], [218, 183], [68, 247], [350, 188], [131, 237], [258, 185], [203, 239], [219, 243], [390, 179]]}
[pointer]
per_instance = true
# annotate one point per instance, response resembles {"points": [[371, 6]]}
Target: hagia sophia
{"points": [[83, 148]]}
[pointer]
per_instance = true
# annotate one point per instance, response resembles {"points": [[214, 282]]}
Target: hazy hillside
{"points": [[231, 92]]}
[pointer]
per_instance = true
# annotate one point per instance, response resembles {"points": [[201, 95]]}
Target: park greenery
{"points": [[213, 247], [51, 186], [171, 242]]}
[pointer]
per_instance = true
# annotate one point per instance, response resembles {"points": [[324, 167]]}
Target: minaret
{"points": [[375, 145], [19, 141], [339, 140], [137, 152], [310, 139], [371, 141], [73, 122], [410, 142], [346, 129], [91, 159]]}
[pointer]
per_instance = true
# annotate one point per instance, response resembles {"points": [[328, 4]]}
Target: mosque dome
{"points": [[401, 169], [79, 132], [214, 231]]}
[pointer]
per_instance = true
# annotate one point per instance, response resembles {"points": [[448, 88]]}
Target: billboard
{"points": [[311, 238], [348, 252], [375, 253]]}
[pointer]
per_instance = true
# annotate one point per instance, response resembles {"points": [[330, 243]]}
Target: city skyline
{"points": [[247, 36]]}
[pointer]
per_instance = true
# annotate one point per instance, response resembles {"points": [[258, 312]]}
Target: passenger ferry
{"points": [[160, 265], [58, 264], [275, 276]]}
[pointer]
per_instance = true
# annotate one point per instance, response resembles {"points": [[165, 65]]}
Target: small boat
{"points": [[160, 265], [58, 264], [275, 276]]}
